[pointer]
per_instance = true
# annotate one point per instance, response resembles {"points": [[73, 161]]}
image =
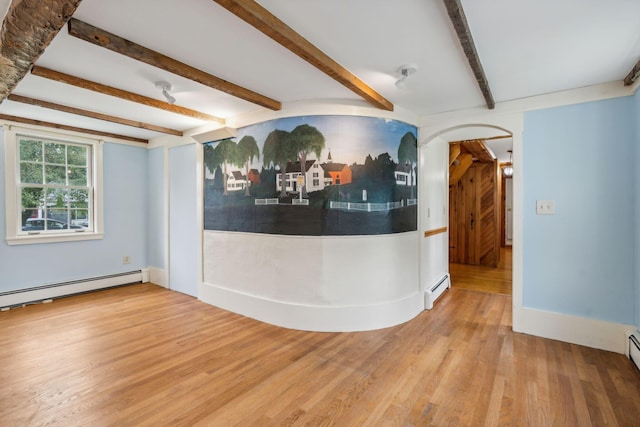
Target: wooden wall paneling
{"points": [[474, 216], [456, 171]]}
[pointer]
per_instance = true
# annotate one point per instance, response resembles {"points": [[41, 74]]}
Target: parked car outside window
{"points": [[36, 224]]}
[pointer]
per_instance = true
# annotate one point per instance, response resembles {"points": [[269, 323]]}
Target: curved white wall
{"points": [[328, 283], [314, 283]]}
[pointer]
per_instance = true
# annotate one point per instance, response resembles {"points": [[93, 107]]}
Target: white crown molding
{"points": [[321, 107], [556, 99]]}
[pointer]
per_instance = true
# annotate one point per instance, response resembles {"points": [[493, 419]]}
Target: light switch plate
{"points": [[545, 207]]}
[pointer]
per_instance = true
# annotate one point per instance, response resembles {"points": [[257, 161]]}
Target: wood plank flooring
{"points": [[487, 279], [141, 355]]}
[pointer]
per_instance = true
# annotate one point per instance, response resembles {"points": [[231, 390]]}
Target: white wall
{"points": [[434, 193], [314, 283], [329, 283]]}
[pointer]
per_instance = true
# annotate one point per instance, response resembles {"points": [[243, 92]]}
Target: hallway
{"points": [[487, 279]]}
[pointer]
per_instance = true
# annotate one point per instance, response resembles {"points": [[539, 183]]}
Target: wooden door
{"points": [[474, 217]]}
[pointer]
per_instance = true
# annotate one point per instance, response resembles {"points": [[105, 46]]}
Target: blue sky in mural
{"points": [[349, 138]]}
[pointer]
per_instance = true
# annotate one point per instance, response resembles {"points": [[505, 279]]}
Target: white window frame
{"points": [[14, 236]]}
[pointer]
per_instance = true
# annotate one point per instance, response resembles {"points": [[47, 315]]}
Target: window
{"points": [[316, 182], [53, 187]]}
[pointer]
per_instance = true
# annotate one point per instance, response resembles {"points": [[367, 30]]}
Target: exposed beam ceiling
{"points": [[27, 29], [117, 44], [459, 21], [478, 149], [119, 93], [264, 21], [17, 119], [633, 74], [92, 114]]}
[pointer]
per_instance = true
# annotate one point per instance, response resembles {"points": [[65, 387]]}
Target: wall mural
{"points": [[314, 176]]}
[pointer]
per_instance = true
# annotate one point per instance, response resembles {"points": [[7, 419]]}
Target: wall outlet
{"points": [[126, 259], [545, 207]]}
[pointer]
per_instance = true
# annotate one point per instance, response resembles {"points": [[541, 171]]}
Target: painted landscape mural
{"points": [[314, 176]]}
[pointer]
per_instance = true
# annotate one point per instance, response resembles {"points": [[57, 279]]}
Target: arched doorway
{"points": [[461, 129]]}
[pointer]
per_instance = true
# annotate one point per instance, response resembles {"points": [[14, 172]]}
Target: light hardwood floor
{"points": [[141, 355], [487, 279]]}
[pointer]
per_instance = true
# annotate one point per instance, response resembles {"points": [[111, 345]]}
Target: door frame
{"points": [[512, 123]]}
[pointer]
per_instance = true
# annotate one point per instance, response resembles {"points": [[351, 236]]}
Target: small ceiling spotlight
{"points": [[405, 71], [166, 87]]}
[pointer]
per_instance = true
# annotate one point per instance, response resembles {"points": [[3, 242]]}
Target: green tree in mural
{"points": [[305, 139], [276, 151], [246, 151], [211, 161], [408, 155], [223, 155]]}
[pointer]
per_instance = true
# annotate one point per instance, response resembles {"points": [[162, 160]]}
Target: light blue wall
{"points": [[580, 261], [184, 227], [637, 212], [155, 222], [125, 214]]}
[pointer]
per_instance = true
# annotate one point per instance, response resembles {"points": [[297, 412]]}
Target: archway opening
{"points": [[479, 202]]}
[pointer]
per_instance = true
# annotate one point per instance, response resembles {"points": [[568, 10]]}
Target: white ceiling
{"points": [[527, 47]]}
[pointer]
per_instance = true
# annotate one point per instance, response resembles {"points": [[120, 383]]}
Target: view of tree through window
{"points": [[55, 185]]}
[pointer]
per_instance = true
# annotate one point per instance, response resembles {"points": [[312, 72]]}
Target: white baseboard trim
{"points": [[313, 317], [56, 290], [158, 276], [592, 333]]}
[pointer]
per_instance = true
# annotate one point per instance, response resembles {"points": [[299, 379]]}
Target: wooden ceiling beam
{"points": [[27, 29], [479, 150], [459, 21], [454, 152], [92, 114], [117, 44], [122, 94], [633, 74], [457, 170], [71, 128], [267, 23]]}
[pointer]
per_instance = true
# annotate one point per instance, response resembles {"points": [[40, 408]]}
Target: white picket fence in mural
{"points": [[366, 207], [349, 206], [266, 201]]}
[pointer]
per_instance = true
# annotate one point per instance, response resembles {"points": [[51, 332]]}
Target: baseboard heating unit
{"points": [[434, 292], [47, 292], [634, 349]]}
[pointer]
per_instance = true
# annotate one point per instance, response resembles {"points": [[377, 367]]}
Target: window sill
{"points": [[52, 238]]}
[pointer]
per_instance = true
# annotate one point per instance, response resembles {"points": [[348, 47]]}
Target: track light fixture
{"points": [[166, 87], [405, 71]]}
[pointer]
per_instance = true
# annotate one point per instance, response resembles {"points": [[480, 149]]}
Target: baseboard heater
{"points": [[434, 292], [634, 349], [46, 292]]}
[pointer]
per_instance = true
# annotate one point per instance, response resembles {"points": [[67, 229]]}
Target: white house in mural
{"points": [[236, 181], [316, 177], [405, 174]]}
